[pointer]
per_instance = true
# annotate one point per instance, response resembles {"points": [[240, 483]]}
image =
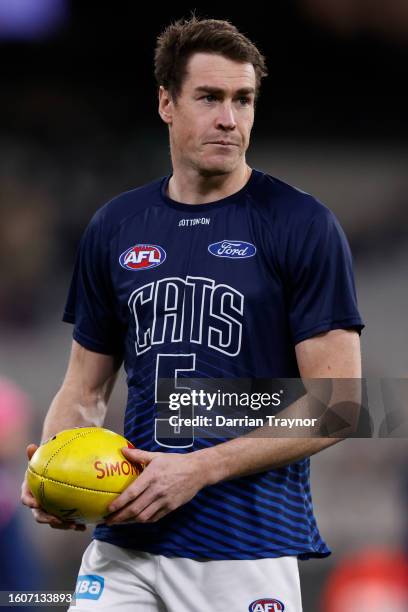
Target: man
{"points": [[216, 271]]}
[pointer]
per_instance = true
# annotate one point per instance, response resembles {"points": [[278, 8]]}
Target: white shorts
{"points": [[116, 579]]}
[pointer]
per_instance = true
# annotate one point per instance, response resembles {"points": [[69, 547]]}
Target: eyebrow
{"points": [[218, 90]]}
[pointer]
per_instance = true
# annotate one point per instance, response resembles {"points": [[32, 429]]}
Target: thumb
{"points": [[136, 455], [31, 448]]}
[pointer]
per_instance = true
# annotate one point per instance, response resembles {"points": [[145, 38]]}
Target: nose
{"points": [[226, 118]]}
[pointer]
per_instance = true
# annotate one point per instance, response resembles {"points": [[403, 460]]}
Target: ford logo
{"points": [[234, 249]]}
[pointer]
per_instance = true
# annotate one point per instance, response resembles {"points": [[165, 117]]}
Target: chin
{"points": [[217, 168], [207, 172]]}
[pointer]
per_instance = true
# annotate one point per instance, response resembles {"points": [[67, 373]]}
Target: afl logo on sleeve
{"points": [[234, 249], [266, 605], [142, 257]]}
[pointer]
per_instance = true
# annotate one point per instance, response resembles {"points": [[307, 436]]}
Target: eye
{"points": [[209, 98], [244, 100]]}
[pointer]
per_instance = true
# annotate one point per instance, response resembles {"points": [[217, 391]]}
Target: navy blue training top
{"points": [[224, 289]]}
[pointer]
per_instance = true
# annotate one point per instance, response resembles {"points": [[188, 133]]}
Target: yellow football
{"points": [[77, 473]]}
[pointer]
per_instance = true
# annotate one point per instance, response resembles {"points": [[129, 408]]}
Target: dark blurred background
{"points": [[79, 124]]}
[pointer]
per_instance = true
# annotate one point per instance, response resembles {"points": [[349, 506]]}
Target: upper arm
{"points": [[319, 280], [334, 354], [91, 374], [91, 304]]}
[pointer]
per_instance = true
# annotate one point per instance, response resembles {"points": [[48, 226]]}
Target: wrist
{"points": [[211, 466]]}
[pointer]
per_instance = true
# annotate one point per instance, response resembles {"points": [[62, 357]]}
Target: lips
{"points": [[224, 143]]}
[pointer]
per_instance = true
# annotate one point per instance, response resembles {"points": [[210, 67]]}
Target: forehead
{"points": [[218, 71]]}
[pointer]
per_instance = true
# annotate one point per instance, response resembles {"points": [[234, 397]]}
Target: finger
{"points": [[136, 455], [29, 500], [158, 515], [67, 525], [55, 522], [27, 497], [132, 509], [43, 517], [31, 448], [126, 515], [129, 494], [152, 513], [63, 526]]}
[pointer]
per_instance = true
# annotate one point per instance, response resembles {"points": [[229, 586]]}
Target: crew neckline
{"points": [[194, 208]]}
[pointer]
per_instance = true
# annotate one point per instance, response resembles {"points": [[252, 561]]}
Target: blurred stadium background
{"points": [[79, 124]]}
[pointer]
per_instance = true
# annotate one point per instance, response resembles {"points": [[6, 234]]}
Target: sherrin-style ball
{"points": [[77, 473]]}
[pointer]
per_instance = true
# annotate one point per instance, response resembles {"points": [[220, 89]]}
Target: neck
{"points": [[194, 188]]}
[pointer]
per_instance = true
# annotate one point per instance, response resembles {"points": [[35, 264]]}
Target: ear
{"points": [[165, 105]]}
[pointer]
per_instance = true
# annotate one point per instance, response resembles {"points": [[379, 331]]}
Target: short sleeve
{"points": [[90, 304], [322, 294]]}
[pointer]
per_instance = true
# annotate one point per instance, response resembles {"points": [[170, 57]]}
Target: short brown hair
{"points": [[180, 40]]}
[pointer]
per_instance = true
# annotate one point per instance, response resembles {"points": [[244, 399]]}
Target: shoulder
{"points": [[109, 217], [296, 223], [286, 204]]}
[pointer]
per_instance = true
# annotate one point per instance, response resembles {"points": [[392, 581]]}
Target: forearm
{"points": [[266, 448], [71, 408], [248, 455], [83, 397], [336, 353]]}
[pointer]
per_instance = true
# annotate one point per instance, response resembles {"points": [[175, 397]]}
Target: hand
{"points": [[168, 481], [40, 515]]}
